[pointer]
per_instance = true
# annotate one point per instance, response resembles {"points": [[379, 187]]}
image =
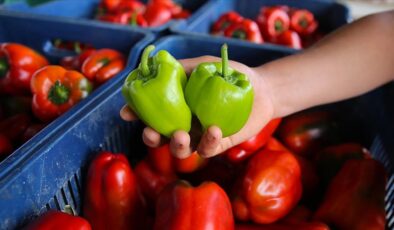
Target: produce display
{"points": [[283, 25], [135, 13], [34, 93]]}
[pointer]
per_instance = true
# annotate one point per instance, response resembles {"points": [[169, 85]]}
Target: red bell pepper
{"points": [[331, 159], [56, 90], [245, 30], [102, 65], [58, 220], [133, 6], [244, 150], [75, 62], [269, 188], [306, 132], [303, 22], [75, 46], [182, 15], [281, 226], [157, 14], [273, 21], [225, 21], [355, 198], [289, 38], [112, 197], [17, 65], [13, 127], [181, 206], [5, 146], [125, 18]]}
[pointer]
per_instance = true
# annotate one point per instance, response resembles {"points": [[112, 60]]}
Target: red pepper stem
{"points": [[69, 210], [224, 60], [144, 60], [3, 67]]}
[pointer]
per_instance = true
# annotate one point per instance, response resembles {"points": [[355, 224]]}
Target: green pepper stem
{"points": [[3, 67], [59, 93], [144, 60], [224, 60], [69, 210], [133, 21]]}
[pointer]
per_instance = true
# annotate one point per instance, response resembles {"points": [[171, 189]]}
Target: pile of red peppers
{"points": [[33, 92], [295, 174], [295, 28], [133, 12]]}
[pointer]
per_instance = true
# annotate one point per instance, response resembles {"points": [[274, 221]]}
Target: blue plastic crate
{"points": [[86, 9], [51, 175], [331, 15]]}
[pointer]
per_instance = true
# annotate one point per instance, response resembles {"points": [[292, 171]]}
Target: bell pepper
{"points": [[306, 132], [303, 22], [181, 15], [133, 6], [17, 65], [181, 206], [269, 188], [355, 198], [111, 5], [56, 90], [281, 226], [225, 21], [55, 220], [157, 14], [273, 21], [245, 30], [112, 197], [31, 131], [244, 150], [13, 127], [102, 65], [219, 95], [75, 62], [289, 38], [75, 46], [172, 6], [331, 159], [154, 91], [5, 146], [164, 162], [151, 181]]}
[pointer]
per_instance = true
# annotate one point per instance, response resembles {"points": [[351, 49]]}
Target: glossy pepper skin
{"points": [[245, 30], [57, 220], [17, 65], [331, 159], [181, 207], [102, 65], [244, 150], [355, 198], [112, 197], [219, 95], [125, 18], [283, 226], [306, 132], [303, 22], [157, 14], [273, 21], [225, 21], [75, 62], [289, 38], [56, 90], [269, 188], [154, 91]]}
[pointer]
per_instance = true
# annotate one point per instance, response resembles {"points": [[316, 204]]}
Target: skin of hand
{"points": [[211, 142]]}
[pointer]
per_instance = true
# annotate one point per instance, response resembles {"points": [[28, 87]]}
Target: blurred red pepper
{"points": [[355, 198], [303, 22], [112, 197], [289, 38], [181, 206], [269, 188], [57, 220], [111, 5], [125, 18], [281, 226], [182, 15], [132, 6], [225, 21], [157, 14], [75, 46], [56, 90], [331, 159], [17, 65], [273, 21], [245, 30], [103, 64], [306, 132], [5, 146], [75, 62], [242, 151], [169, 4], [31, 131], [13, 127]]}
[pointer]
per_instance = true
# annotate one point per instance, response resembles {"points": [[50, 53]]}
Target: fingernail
{"points": [[211, 138]]}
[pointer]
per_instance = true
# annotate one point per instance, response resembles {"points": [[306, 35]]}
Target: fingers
{"points": [[180, 144], [151, 138], [210, 142], [191, 63], [127, 114]]}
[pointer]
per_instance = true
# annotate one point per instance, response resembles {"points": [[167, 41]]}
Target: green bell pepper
{"points": [[219, 95], [154, 91]]}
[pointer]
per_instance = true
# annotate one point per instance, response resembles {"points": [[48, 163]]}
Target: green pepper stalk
{"points": [[154, 91], [219, 95]]}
